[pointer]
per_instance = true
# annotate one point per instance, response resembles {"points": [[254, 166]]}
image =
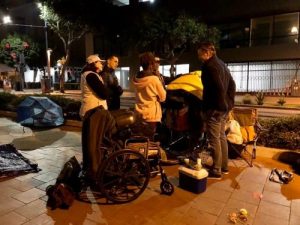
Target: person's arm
{"points": [[161, 91], [97, 86], [218, 86], [118, 90], [231, 92]]}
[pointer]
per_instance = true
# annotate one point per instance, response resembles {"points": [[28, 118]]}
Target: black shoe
{"points": [[225, 171], [214, 175]]}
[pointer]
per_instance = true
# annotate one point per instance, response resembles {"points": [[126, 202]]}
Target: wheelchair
{"points": [[126, 167]]}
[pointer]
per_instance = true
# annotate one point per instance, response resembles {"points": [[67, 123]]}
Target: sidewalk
{"points": [[23, 200]]}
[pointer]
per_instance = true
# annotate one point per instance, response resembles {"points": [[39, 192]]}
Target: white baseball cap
{"points": [[93, 58]]}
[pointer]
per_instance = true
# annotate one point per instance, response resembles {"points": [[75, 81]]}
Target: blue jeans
{"points": [[215, 129]]}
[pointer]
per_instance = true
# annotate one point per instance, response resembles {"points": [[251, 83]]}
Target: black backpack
{"points": [[63, 192]]}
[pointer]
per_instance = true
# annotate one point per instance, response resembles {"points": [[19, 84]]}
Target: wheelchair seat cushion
{"points": [[124, 118]]}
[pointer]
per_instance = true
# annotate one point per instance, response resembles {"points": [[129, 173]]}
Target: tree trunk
{"points": [[62, 73]]}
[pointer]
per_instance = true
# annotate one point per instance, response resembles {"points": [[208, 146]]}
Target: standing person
{"points": [[218, 100], [111, 82], [165, 80], [93, 91], [149, 92]]}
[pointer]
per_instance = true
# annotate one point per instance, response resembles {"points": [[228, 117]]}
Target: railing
{"points": [[269, 77]]}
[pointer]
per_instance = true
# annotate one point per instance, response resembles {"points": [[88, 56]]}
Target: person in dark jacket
{"points": [[112, 83], [218, 100]]}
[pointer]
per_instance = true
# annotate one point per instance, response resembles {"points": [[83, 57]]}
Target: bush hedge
{"points": [[281, 133], [70, 107]]}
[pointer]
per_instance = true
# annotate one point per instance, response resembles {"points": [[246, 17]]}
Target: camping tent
{"points": [[39, 112]]}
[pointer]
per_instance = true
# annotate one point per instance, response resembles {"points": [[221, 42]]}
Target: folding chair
{"points": [[250, 129]]}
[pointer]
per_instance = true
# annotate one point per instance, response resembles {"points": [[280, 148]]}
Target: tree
{"points": [[18, 51], [170, 37], [67, 31], [13, 45]]}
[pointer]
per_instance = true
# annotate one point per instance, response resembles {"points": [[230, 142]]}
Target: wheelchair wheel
{"points": [[124, 176], [166, 188]]}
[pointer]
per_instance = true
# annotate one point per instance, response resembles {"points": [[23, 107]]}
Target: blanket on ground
{"points": [[13, 163]]}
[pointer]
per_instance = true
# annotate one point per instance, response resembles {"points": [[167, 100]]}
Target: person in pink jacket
{"points": [[149, 92]]}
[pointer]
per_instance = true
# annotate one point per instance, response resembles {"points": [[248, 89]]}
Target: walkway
{"points": [[23, 200]]}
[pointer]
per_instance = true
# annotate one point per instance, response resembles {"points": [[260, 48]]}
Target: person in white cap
{"points": [[93, 91]]}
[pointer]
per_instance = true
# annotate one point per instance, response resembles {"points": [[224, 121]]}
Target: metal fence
{"points": [[271, 76]]}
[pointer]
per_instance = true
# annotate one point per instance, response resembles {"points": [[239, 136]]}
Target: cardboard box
{"points": [[193, 180]]}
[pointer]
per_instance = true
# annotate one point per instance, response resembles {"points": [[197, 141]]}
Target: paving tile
{"points": [[208, 205], [195, 216], [7, 204], [217, 194], [12, 218], [246, 196], [255, 175], [234, 206], [274, 210], [33, 209], [273, 186], [275, 197], [42, 219], [252, 186], [30, 195], [228, 184], [263, 219], [46, 177], [294, 220], [8, 191], [24, 185], [295, 207], [44, 186], [6, 139]]}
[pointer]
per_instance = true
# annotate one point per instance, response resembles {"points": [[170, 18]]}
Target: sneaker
{"points": [[214, 175], [225, 171]]}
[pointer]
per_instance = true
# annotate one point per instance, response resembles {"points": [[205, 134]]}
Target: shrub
{"points": [[7, 101], [281, 101], [260, 97], [70, 107], [247, 99], [281, 133]]}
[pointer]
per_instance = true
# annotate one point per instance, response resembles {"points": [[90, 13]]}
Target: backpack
{"points": [[63, 192]]}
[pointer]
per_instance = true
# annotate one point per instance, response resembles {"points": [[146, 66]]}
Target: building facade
{"points": [[259, 42]]}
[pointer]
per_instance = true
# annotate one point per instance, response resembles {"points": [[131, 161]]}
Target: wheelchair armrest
{"points": [[135, 139]]}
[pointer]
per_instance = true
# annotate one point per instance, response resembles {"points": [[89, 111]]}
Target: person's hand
{"points": [[119, 90]]}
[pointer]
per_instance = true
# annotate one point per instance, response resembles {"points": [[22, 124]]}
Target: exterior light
{"points": [[294, 30], [6, 19]]}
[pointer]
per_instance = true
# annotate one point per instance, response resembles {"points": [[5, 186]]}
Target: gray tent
{"points": [[39, 112]]}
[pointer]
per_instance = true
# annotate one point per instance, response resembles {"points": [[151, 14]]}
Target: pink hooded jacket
{"points": [[149, 92]]}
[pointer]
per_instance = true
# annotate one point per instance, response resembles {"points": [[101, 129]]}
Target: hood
{"points": [[142, 79]]}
